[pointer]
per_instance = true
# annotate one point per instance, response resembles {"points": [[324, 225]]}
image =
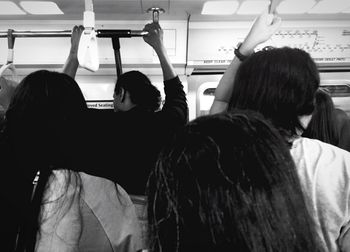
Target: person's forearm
{"points": [[71, 66], [224, 90], [7, 90], [167, 67], [263, 28]]}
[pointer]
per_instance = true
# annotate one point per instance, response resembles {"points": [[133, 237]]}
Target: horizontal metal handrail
{"points": [[102, 33]]}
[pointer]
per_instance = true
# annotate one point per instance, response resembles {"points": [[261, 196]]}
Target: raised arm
{"points": [[155, 40], [71, 66], [263, 28], [175, 109], [7, 89]]}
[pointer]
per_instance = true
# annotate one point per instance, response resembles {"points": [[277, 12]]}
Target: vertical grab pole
{"points": [[118, 60]]}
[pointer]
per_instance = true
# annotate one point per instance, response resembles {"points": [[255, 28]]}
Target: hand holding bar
{"points": [[100, 33]]}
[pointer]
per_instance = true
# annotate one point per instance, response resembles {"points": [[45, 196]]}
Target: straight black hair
{"points": [[142, 92], [280, 83], [43, 129], [323, 122], [227, 182]]}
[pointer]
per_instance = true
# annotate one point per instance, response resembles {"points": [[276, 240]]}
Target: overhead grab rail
{"points": [[103, 33], [89, 23]]}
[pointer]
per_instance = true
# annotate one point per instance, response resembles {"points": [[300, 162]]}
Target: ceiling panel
{"points": [[136, 10], [147, 4], [112, 7], [180, 7]]}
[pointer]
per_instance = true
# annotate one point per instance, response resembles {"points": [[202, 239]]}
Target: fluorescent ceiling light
{"points": [[41, 7], [251, 7], [330, 6], [219, 7], [10, 8], [295, 6]]}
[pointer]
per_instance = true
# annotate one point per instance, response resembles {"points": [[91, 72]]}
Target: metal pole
{"points": [[31, 34], [120, 33], [118, 59], [67, 33]]}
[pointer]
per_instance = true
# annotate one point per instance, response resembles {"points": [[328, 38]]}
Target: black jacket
{"points": [[123, 146]]}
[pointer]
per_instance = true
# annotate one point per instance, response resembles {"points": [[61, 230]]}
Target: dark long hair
{"points": [[228, 183], [142, 92], [280, 83], [42, 128], [323, 122]]}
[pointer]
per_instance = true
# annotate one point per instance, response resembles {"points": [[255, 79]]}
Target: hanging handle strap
{"points": [[9, 69], [89, 6], [88, 50], [155, 15], [10, 45], [89, 16]]}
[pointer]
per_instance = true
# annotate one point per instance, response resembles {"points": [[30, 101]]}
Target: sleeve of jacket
{"points": [[175, 108]]}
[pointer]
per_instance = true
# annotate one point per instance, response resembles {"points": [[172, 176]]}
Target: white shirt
{"points": [[97, 218], [324, 173]]}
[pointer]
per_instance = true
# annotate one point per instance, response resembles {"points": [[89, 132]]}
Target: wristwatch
{"points": [[238, 54]]}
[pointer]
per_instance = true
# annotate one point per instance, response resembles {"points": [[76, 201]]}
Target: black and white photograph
{"points": [[175, 125]]}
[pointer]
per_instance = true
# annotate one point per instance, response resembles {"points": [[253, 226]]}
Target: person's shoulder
{"points": [[100, 115], [341, 115], [93, 111], [323, 151], [98, 189], [321, 160], [315, 143]]}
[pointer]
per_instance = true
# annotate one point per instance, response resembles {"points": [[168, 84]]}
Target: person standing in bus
{"points": [[281, 84], [329, 124], [227, 182], [138, 127]]}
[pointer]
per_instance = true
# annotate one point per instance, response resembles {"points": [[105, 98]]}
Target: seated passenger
{"points": [[228, 183], [69, 211], [281, 84]]}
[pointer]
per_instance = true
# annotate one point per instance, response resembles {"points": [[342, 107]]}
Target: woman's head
{"points": [[280, 83], [44, 124], [323, 123], [228, 181], [45, 115], [135, 86]]}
